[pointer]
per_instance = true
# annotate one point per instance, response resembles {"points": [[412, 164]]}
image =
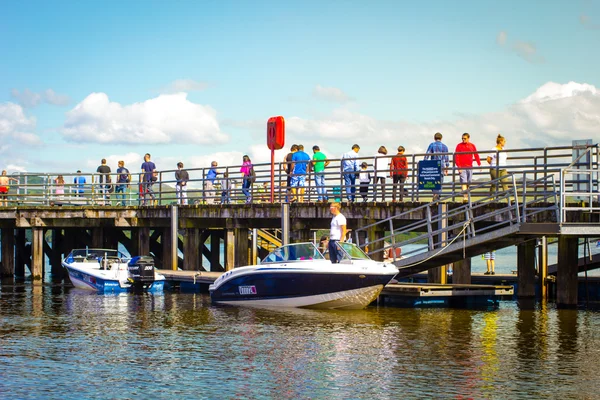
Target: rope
{"points": [[464, 228]]}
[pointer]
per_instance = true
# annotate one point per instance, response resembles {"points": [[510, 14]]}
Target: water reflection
{"points": [[180, 345]]}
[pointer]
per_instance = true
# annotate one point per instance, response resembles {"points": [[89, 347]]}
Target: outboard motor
{"points": [[141, 272]]}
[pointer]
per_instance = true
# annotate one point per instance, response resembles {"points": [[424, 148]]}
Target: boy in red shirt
{"points": [[463, 159], [399, 172]]}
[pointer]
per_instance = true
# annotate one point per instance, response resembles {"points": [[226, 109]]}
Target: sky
{"points": [[196, 81]]}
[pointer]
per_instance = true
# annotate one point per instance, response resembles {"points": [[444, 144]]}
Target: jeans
{"points": [[120, 194], [398, 187], [335, 254], [246, 188], [349, 179], [147, 187], [320, 184]]}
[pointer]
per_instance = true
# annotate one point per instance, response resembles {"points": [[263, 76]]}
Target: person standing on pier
{"points": [[182, 177], [337, 232], [464, 155], [300, 166], [497, 160], [123, 180], [380, 163], [319, 163], [79, 182], [436, 149], [211, 176], [490, 262], [399, 172], [148, 178], [287, 166], [249, 176], [4, 186], [364, 179], [104, 182], [350, 168], [59, 187]]}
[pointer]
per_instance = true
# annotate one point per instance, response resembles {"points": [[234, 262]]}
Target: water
{"points": [[61, 343]]}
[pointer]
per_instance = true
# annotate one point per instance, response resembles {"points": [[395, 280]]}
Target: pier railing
{"points": [[530, 165]]}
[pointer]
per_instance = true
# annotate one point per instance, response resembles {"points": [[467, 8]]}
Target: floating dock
{"points": [[397, 294], [440, 295]]}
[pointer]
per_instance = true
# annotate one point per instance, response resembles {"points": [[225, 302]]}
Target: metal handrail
{"points": [[535, 199], [533, 163]]}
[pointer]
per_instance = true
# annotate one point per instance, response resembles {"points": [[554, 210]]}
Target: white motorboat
{"points": [[110, 271], [299, 275]]}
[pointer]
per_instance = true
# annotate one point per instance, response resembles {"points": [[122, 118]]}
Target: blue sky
{"points": [[197, 80]]}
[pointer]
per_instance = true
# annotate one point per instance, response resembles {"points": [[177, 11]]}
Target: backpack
{"points": [[125, 176]]}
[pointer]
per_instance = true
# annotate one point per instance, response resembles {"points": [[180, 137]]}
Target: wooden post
{"points": [[8, 252], [566, 274], [215, 251], [56, 254], [141, 241], [526, 269], [241, 247], [461, 272], [97, 237], [20, 253], [167, 250], [37, 254], [543, 272], [229, 250], [192, 249]]}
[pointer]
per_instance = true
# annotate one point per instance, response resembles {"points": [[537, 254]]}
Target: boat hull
{"points": [[308, 289], [95, 281]]}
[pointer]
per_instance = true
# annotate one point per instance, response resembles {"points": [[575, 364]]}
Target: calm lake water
{"points": [[60, 343]]}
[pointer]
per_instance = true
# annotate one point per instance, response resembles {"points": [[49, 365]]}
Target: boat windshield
{"points": [[293, 252], [95, 254], [353, 252]]}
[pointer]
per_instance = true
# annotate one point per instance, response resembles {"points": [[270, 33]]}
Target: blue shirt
{"points": [[212, 174], [80, 181], [148, 167], [349, 162], [300, 160], [438, 147]]}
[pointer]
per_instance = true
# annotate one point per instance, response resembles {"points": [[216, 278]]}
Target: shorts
{"points": [[298, 181], [490, 256], [3, 189], [466, 175]]}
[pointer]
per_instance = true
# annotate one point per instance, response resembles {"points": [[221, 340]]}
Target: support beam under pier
{"points": [[566, 274]]}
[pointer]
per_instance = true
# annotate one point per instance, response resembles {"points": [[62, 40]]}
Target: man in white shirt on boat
{"points": [[337, 232]]}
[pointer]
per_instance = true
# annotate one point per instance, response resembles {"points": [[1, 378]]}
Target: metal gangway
{"points": [[452, 233]]}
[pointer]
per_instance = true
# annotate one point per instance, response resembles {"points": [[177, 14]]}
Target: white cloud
{"points": [[14, 120], [551, 116], [332, 94], [29, 99], [183, 85], [51, 97], [526, 50], [164, 119], [501, 38]]}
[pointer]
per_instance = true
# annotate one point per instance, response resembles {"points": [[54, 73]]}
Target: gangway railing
{"points": [[484, 214]]}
